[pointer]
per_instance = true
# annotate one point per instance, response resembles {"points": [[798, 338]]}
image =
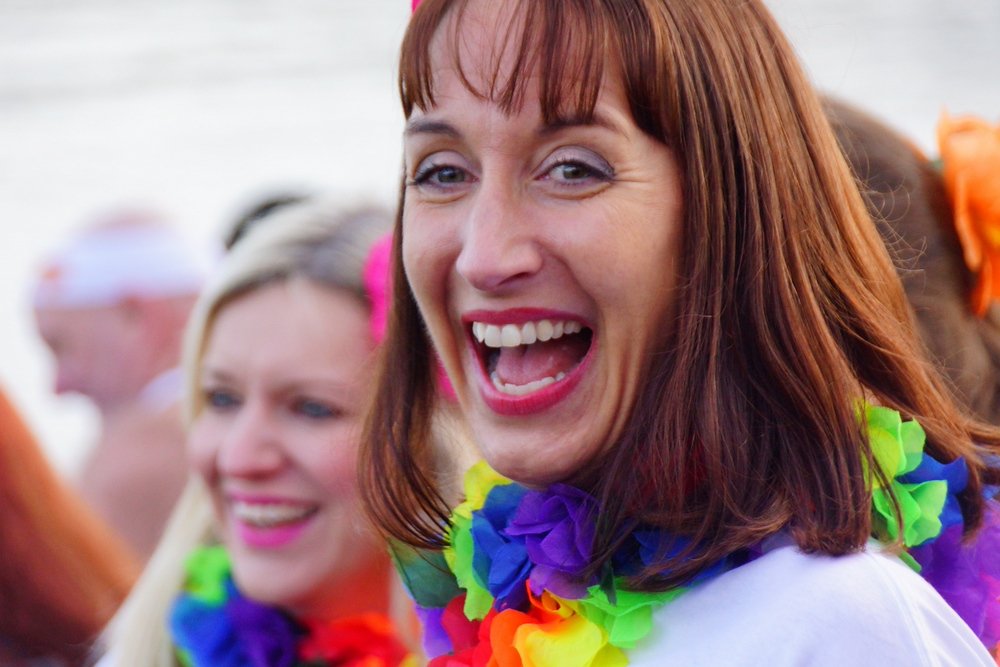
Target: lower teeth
{"points": [[522, 389]]}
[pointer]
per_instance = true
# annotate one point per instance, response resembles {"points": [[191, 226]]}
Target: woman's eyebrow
{"points": [[212, 374], [427, 126]]}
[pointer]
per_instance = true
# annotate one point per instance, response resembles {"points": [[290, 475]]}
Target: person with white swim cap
{"points": [[111, 305]]}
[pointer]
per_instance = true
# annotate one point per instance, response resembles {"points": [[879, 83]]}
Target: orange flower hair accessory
{"points": [[970, 153]]}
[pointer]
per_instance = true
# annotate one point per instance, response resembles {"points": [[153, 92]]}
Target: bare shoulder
{"points": [[136, 473], [140, 427]]}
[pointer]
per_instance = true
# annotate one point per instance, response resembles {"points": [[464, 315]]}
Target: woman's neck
{"points": [[363, 590]]}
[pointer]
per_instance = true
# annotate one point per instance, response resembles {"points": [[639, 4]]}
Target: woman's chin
{"points": [[532, 463], [263, 587]]}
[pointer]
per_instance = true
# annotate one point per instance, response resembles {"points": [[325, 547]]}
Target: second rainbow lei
{"points": [[214, 625]]}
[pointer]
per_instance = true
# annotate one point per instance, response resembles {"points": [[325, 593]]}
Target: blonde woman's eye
{"points": [[221, 399], [313, 409]]}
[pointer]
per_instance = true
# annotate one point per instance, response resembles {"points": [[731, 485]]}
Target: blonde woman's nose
{"points": [[251, 446]]}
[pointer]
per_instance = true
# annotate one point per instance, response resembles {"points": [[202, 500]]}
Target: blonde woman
{"points": [[267, 560]]}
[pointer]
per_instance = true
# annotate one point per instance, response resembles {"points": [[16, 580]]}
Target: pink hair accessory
{"points": [[376, 276], [443, 383], [416, 3]]}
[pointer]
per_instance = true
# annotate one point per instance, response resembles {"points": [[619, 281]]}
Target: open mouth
{"points": [[520, 359]]}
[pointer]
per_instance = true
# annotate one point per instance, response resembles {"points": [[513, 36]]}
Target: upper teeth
{"points": [[269, 514], [512, 335]]}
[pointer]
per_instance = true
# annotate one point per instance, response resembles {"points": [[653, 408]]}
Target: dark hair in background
{"points": [[253, 215], [906, 197], [787, 306]]}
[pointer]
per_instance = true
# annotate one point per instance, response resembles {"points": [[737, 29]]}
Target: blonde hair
{"points": [[318, 241]]}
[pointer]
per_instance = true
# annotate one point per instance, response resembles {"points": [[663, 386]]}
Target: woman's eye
{"points": [[448, 175], [434, 175], [576, 171], [221, 399], [571, 171], [313, 409]]}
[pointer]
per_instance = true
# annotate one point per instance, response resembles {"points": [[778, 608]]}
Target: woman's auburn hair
{"points": [[787, 309]]}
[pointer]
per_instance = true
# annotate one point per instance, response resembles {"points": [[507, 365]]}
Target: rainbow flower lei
{"points": [[213, 625], [513, 592]]}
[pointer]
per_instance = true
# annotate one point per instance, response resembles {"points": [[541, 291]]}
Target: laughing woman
{"points": [[709, 433], [267, 561]]}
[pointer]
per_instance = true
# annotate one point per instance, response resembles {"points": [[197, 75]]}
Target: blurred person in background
{"points": [[267, 559], [111, 306], [907, 197], [63, 571]]}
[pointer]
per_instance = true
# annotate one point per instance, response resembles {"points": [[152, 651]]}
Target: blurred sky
{"points": [[196, 107]]}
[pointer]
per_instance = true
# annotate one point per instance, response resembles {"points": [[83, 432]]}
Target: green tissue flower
{"points": [[207, 569], [898, 448], [628, 619], [458, 555], [425, 574], [479, 481]]}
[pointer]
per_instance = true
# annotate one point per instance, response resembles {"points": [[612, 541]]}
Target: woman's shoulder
{"points": [[790, 608]]}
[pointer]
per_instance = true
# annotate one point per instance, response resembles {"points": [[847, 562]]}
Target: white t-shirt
{"points": [[790, 609]]}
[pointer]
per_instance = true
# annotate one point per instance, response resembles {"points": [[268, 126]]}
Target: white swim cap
{"points": [[127, 254]]}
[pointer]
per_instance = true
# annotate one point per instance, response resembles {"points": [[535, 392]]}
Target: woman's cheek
{"points": [[334, 466], [202, 448]]}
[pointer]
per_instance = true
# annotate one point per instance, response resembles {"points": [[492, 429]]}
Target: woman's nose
{"points": [[499, 246], [251, 446]]}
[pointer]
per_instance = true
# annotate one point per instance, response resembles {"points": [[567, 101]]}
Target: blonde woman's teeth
{"points": [[513, 335], [266, 515]]}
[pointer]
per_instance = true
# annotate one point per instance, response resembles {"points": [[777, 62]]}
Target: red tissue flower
{"points": [[364, 641]]}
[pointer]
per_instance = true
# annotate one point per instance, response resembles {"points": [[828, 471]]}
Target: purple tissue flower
{"points": [[968, 575], [267, 636], [237, 633], [558, 530], [436, 640]]}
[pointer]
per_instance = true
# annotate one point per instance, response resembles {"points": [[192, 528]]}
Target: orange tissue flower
{"points": [[551, 634], [970, 152]]}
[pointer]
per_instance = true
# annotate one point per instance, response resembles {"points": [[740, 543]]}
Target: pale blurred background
{"points": [[197, 107]]}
